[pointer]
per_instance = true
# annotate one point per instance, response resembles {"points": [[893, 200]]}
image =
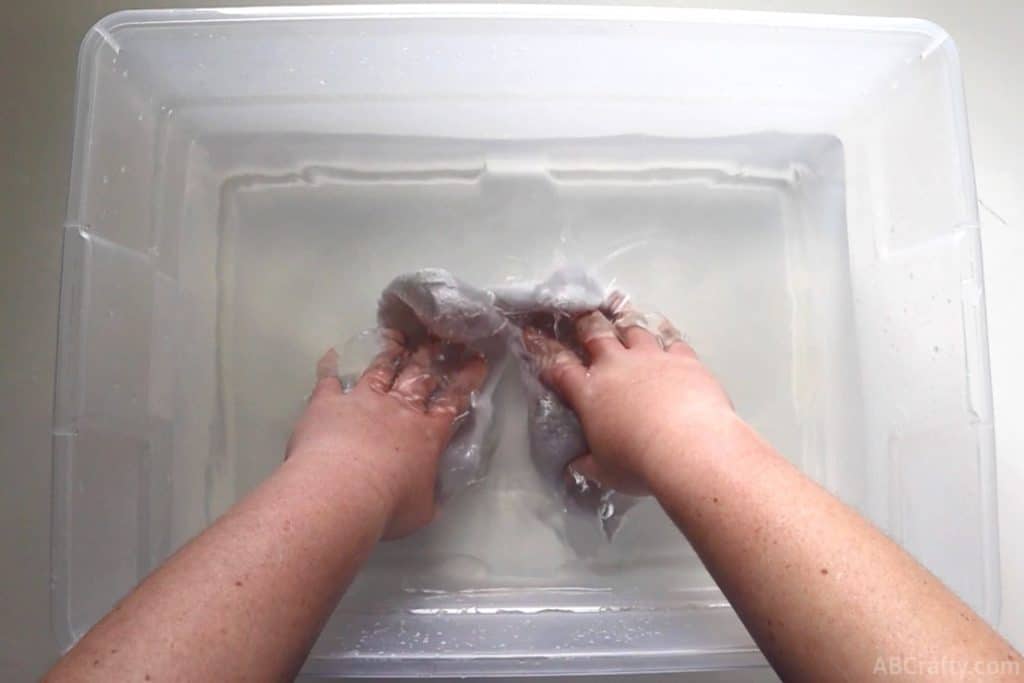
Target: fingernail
{"points": [[632, 318], [626, 315], [616, 302], [668, 334]]}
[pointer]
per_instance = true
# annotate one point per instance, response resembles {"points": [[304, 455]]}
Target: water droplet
{"points": [[323, 82], [123, 168], [106, 179], [124, 74]]}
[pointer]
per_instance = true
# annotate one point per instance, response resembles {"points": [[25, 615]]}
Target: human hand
{"points": [[635, 399], [391, 428]]}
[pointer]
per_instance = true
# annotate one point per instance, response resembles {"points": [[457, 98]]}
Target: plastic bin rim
{"points": [[116, 21]]}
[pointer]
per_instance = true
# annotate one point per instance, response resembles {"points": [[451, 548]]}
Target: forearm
{"points": [[822, 591], [246, 598]]}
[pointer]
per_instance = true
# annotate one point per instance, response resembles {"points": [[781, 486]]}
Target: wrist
{"points": [[352, 477], [690, 438]]}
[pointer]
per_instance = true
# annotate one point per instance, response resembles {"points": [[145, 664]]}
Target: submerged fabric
{"points": [[434, 303]]}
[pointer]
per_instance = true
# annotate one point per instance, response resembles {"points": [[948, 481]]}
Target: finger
{"points": [[633, 328], [455, 397], [679, 347], [635, 336], [380, 374], [597, 334], [327, 375], [615, 304], [588, 467], [416, 381], [557, 365], [667, 334], [326, 387], [671, 338], [327, 366]]}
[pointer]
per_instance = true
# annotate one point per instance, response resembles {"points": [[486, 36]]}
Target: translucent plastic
{"points": [[794, 192]]}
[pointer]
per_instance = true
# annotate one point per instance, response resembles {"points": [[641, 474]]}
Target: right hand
{"points": [[638, 402]]}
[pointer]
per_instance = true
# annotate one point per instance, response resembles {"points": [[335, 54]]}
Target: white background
{"points": [[38, 45]]}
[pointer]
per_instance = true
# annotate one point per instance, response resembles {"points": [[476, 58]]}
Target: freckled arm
{"points": [[824, 593], [246, 599]]}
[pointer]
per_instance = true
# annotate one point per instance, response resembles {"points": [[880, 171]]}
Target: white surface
{"points": [[35, 184]]}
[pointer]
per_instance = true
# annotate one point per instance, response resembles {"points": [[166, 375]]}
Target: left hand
{"points": [[392, 427]]}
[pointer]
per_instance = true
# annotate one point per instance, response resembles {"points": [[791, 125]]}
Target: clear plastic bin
{"points": [[794, 191]]}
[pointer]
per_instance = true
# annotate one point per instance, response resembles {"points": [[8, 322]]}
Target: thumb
{"points": [[557, 365], [327, 381]]}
